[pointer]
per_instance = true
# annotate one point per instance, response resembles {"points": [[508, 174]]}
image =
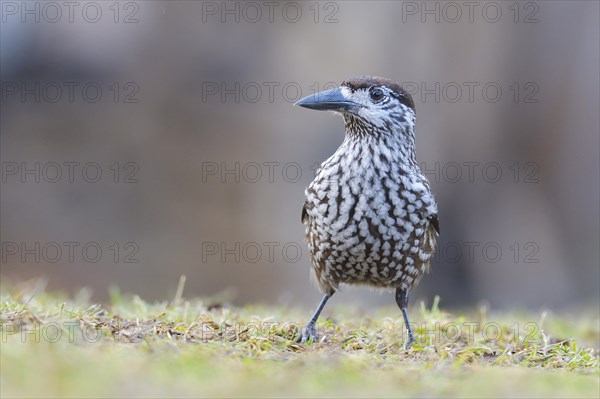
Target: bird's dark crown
{"points": [[365, 82]]}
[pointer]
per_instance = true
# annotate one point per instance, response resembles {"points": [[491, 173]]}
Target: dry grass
{"points": [[53, 345]]}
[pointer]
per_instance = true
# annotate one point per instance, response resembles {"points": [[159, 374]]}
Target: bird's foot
{"points": [[411, 340], [307, 335]]}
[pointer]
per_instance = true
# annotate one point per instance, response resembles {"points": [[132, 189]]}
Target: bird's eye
{"points": [[376, 94]]}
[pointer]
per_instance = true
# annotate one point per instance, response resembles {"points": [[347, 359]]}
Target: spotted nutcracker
{"points": [[369, 213]]}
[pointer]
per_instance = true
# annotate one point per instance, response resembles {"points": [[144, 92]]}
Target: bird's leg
{"points": [[308, 333], [402, 301]]}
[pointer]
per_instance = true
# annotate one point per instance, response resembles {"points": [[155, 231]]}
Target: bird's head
{"points": [[370, 105]]}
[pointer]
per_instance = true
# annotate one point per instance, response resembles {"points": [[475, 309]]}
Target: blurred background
{"points": [[142, 141]]}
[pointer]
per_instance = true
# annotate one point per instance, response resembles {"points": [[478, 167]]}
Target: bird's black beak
{"points": [[328, 100]]}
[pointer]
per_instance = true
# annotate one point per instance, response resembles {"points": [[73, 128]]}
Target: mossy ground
{"points": [[59, 346]]}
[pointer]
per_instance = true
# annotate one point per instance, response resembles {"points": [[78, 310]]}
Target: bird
{"points": [[370, 216]]}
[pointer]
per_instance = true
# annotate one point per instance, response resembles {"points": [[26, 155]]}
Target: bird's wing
{"points": [[435, 222], [304, 217]]}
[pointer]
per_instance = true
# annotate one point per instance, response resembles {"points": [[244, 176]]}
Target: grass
{"points": [[56, 346]]}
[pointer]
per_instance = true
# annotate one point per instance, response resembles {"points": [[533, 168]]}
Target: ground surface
{"points": [[58, 346]]}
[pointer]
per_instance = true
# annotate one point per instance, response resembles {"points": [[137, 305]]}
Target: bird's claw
{"points": [[307, 335], [411, 339]]}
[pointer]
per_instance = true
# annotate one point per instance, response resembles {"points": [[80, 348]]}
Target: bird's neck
{"points": [[368, 156], [396, 143]]}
